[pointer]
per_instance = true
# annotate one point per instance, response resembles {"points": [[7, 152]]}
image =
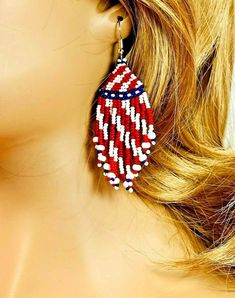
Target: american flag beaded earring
{"points": [[124, 125]]}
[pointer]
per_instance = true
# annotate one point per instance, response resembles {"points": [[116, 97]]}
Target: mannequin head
{"points": [[53, 56]]}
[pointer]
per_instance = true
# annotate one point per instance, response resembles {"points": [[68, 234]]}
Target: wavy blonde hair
{"points": [[183, 51]]}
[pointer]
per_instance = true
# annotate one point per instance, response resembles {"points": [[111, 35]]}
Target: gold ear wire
{"points": [[121, 50]]}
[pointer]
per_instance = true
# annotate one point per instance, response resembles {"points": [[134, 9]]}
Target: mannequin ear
{"points": [[109, 23]]}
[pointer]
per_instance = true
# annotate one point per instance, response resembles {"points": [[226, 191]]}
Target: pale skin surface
{"points": [[59, 236]]}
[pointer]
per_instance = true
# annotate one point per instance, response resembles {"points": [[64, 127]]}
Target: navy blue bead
{"points": [[111, 94]]}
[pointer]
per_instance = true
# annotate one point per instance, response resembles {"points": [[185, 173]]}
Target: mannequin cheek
{"points": [[39, 90], [47, 78], [43, 90]]}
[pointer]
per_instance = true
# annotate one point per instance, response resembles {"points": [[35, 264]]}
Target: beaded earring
{"points": [[124, 125]]}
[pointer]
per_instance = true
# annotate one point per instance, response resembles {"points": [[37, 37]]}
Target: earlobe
{"points": [[125, 24], [110, 21]]}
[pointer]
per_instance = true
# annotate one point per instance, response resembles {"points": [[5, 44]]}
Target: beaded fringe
{"points": [[124, 127]]}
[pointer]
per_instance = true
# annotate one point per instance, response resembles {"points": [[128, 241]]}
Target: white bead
{"points": [[137, 121], [99, 165], [101, 157], [146, 163], [116, 187], [135, 152], [136, 167], [107, 166], [116, 154], [117, 180], [99, 147], [146, 145], [151, 135], [119, 122], [146, 100], [111, 175], [101, 121], [114, 111], [98, 111], [111, 148], [127, 139], [95, 139], [130, 175], [126, 184], [143, 157], [106, 131], [144, 126], [127, 107], [121, 167], [130, 189], [106, 102], [122, 129]]}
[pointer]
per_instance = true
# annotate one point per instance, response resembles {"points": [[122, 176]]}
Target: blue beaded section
{"points": [[111, 94]]}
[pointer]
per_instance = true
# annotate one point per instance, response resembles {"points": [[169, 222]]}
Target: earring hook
{"points": [[121, 50]]}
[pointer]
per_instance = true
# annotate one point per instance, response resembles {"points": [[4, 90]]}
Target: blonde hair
{"points": [[183, 52]]}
